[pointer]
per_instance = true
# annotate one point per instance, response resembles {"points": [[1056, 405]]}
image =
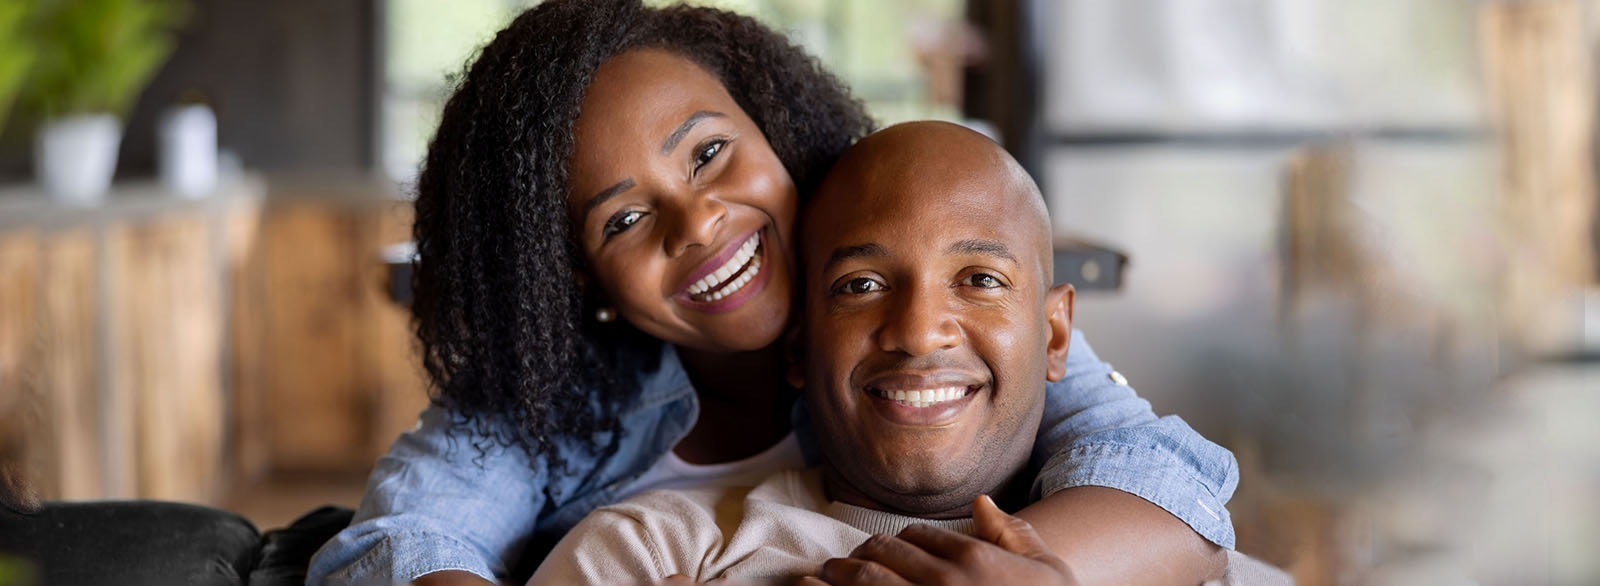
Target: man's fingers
{"points": [[1010, 533], [677, 580], [991, 521], [901, 557], [854, 572], [964, 551]]}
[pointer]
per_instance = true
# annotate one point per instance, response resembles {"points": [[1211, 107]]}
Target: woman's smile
{"points": [[731, 278]]}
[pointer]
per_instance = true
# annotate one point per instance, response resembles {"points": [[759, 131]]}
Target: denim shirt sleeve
{"points": [[434, 502], [1096, 431]]}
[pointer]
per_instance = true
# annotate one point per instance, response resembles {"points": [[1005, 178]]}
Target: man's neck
{"points": [[1010, 495]]}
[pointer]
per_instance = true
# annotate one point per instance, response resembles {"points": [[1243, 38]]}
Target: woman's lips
{"points": [[726, 260], [742, 272]]}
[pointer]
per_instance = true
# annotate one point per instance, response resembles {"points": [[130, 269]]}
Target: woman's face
{"points": [[681, 208]]}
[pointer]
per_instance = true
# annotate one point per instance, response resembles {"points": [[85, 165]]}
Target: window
{"points": [[870, 45]]}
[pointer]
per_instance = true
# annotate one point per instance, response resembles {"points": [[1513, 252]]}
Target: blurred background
{"points": [[1354, 241]]}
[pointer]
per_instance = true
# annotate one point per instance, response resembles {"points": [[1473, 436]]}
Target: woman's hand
{"points": [[1009, 552]]}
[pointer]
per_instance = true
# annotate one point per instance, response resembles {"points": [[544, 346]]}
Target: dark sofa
{"points": [[162, 543]]}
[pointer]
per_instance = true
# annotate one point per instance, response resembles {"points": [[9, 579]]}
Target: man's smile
{"points": [[923, 399]]}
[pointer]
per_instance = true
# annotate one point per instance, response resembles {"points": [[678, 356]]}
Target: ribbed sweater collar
{"points": [[870, 521]]}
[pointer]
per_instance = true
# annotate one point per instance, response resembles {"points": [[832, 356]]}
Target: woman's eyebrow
{"points": [[605, 194], [683, 129]]}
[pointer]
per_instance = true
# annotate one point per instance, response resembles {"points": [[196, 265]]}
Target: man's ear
{"points": [[795, 354], [1058, 317]]}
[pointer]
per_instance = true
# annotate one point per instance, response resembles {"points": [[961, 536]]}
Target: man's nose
{"points": [[695, 221], [919, 322]]}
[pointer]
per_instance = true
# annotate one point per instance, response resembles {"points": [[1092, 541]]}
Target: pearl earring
{"points": [[605, 315]]}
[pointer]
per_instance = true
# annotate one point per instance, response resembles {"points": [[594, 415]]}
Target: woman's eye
{"points": [[858, 286], [982, 281], [707, 153], [621, 222]]}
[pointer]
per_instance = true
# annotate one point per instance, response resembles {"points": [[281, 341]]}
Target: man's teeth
{"points": [[745, 254], [926, 397]]}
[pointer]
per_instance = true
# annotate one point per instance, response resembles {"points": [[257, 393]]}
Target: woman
{"points": [[605, 219]]}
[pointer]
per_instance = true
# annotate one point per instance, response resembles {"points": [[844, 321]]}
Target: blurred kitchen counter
{"points": [[158, 347]]}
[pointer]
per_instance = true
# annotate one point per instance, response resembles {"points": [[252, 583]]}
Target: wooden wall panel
{"points": [[21, 455], [166, 352], [324, 366], [390, 352], [314, 400], [249, 369], [68, 359], [1539, 69]]}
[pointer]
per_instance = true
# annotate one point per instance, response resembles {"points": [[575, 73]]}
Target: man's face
{"points": [[930, 320]]}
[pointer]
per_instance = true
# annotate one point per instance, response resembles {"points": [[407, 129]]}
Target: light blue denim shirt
{"points": [[435, 502]]}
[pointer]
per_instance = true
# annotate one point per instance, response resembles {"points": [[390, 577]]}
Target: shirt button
{"points": [[1117, 377]]}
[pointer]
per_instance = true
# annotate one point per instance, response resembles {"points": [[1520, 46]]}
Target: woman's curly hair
{"points": [[499, 314]]}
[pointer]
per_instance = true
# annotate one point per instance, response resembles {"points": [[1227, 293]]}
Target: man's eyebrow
{"points": [[982, 247], [605, 194], [844, 253], [683, 129]]}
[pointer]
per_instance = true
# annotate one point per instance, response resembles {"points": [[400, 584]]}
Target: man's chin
{"points": [[929, 498]]}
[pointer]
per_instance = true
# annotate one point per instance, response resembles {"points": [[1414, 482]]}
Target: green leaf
{"points": [[98, 55]]}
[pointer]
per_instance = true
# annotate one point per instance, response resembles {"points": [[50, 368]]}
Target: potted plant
{"points": [[16, 52], [94, 57]]}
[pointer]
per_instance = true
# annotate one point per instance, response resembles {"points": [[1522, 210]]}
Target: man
{"points": [[930, 327]]}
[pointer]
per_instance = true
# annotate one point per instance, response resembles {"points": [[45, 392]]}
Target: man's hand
{"points": [[1010, 552]]}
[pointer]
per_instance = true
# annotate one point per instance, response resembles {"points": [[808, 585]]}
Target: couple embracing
{"points": [[642, 289]]}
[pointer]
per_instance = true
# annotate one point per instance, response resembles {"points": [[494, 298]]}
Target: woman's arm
{"points": [[1111, 537], [1124, 496], [435, 503]]}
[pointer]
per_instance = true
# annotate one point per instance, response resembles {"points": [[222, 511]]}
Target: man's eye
{"points": [[982, 280], [621, 222], [858, 286], [707, 153]]}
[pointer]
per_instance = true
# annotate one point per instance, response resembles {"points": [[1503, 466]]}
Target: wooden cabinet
{"points": [[324, 368], [160, 348]]}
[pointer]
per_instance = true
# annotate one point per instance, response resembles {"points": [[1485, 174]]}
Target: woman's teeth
{"points": [[732, 275], [924, 398]]}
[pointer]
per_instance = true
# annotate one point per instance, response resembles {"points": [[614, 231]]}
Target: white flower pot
{"points": [[74, 157], [189, 150]]}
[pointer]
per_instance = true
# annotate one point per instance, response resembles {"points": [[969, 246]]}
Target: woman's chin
{"points": [[756, 324], [745, 336], [743, 331]]}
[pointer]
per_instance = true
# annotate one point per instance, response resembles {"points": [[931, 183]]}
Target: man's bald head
{"points": [[916, 161], [931, 324]]}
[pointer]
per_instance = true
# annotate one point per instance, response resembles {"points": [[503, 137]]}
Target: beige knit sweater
{"points": [[782, 527]]}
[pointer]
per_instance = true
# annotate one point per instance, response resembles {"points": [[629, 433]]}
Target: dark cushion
{"points": [[285, 553], [132, 542]]}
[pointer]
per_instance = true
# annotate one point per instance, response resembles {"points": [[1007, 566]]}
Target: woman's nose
{"points": [[696, 222]]}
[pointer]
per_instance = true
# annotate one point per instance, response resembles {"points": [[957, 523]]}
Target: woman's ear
{"points": [[593, 301], [1058, 318], [794, 353]]}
